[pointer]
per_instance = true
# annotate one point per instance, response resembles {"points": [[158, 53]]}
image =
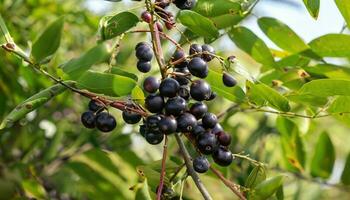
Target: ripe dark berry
{"points": [[224, 138], [184, 92], [183, 64], [185, 4], [207, 51], [105, 122], [175, 106], [162, 3], [198, 110], [222, 157], [168, 125], [95, 106], [195, 49], [151, 84], [200, 90], [185, 79], [201, 164], [169, 87], [154, 103], [143, 130], [186, 122], [179, 54], [131, 117], [144, 52], [154, 137], [198, 130], [198, 67], [152, 121], [144, 66], [141, 44], [209, 120], [217, 129], [207, 143], [228, 80], [212, 96], [88, 119], [146, 16]]}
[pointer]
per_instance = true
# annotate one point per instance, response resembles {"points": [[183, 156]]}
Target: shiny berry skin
{"points": [[198, 130], [152, 121], [144, 52], [105, 122], [131, 117], [146, 16], [207, 50], [159, 26], [88, 119], [175, 106], [154, 138], [154, 103], [198, 67], [141, 44], [200, 90], [186, 122], [207, 143], [224, 138], [143, 130], [198, 110], [144, 66], [179, 54], [228, 80], [185, 4], [222, 157], [212, 96], [184, 92], [183, 80], [201, 164], [151, 84], [95, 106], [209, 120], [195, 49], [183, 64], [217, 129], [169, 87], [167, 125]]}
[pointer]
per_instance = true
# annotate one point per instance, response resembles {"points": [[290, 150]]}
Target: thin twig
{"points": [[190, 170], [162, 172]]}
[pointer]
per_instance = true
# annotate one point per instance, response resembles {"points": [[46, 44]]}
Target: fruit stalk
{"points": [[162, 173]]}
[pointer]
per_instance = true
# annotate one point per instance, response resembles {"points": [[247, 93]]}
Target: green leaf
{"points": [[293, 149], [33, 189], [256, 176], [32, 103], [260, 91], [77, 66], [266, 189], [326, 88], [107, 84], [198, 24], [331, 45], [112, 26], [344, 8], [234, 94], [142, 192], [328, 71], [246, 40], [137, 94], [324, 157], [345, 177], [118, 71], [5, 32], [313, 6], [48, 42], [283, 36], [340, 108]]}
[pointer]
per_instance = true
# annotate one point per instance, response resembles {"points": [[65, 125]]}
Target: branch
{"points": [[190, 170], [162, 173]]}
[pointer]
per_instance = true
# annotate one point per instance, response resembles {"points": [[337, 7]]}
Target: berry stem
{"points": [[162, 173], [190, 170]]}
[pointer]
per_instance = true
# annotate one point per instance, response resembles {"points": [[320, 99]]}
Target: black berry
{"points": [[95, 106], [184, 92], [198, 109], [185, 4], [131, 117], [169, 87], [207, 52], [88, 119], [198, 67], [222, 157], [198, 130], [143, 130], [152, 121], [154, 103], [209, 120], [185, 78], [186, 122], [168, 125], [217, 129], [151, 84], [162, 3], [228, 80], [141, 44], [179, 54], [224, 138], [201, 164], [175, 106], [154, 137], [144, 52], [207, 143], [146, 16], [105, 122], [144, 66], [212, 96], [200, 90], [195, 49]]}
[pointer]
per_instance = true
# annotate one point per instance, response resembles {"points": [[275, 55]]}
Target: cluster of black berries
{"points": [[144, 55], [177, 104], [95, 117], [166, 16]]}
